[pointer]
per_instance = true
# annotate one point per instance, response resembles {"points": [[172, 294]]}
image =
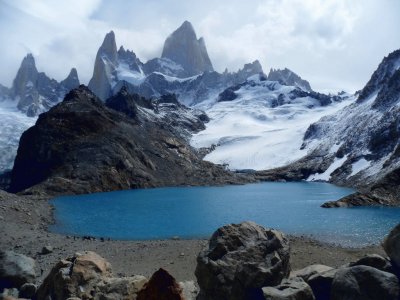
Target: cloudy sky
{"points": [[335, 44]]}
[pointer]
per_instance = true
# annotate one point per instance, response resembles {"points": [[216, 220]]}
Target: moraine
{"points": [[195, 212]]}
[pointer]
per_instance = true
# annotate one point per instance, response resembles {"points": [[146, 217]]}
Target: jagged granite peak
{"points": [[183, 47], [381, 76], [130, 59], [72, 80], [26, 76], [104, 67], [288, 77]]}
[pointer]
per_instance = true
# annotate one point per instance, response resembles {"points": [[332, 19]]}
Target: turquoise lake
{"points": [[196, 212]]}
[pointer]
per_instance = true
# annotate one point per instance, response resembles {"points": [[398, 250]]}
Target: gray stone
{"points": [[28, 290], [47, 249], [290, 289], [321, 284], [240, 260], [15, 269], [391, 245], [374, 261], [364, 283], [309, 271]]}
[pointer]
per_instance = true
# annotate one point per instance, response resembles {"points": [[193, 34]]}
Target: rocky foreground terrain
{"points": [[242, 261]]}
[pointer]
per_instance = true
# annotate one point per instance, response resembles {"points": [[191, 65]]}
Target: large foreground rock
{"points": [[88, 276], [364, 283], [15, 270], [290, 289], [392, 245], [240, 260]]}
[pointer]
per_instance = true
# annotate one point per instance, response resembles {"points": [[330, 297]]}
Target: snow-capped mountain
{"points": [[33, 91], [362, 140], [260, 124], [184, 69]]}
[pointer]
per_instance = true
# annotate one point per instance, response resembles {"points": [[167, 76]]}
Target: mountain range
{"points": [[272, 125]]}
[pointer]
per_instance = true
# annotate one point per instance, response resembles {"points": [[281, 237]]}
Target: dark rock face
{"points": [[381, 76], [392, 245], [72, 80], [364, 283], [15, 270], [287, 77], [240, 260], [161, 286], [289, 289], [81, 146], [183, 48]]}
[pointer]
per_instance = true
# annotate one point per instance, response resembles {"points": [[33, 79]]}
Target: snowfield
{"points": [[12, 124], [250, 134]]}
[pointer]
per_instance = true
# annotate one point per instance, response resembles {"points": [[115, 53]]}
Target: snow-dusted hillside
{"points": [[264, 126], [12, 124], [364, 137]]}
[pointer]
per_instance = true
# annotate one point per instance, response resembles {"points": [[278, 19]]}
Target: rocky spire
{"points": [[104, 67], [72, 80], [26, 76], [183, 47]]}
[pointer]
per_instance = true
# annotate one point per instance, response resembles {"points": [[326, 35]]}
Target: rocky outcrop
{"points": [[15, 270], [290, 289], [321, 284], [287, 77], [375, 261], [364, 283], [183, 48], [310, 271], [161, 286], [391, 245], [240, 260], [82, 146], [88, 276]]}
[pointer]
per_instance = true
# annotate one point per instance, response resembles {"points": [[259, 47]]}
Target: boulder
{"points": [[161, 286], [364, 283], [28, 290], [321, 284], [290, 289], [375, 261], [391, 244], [240, 260], [309, 271], [88, 276], [15, 269]]}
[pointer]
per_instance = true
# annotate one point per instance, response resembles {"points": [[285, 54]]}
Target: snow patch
{"points": [[358, 166], [337, 163]]}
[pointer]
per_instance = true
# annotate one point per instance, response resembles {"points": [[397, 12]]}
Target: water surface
{"points": [[195, 212]]}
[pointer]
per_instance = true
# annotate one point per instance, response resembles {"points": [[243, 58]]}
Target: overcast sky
{"points": [[334, 44]]}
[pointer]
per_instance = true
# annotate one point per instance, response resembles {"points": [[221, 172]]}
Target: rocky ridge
{"points": [[83, 146]]}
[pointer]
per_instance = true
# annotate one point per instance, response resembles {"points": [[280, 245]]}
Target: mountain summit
{"points": [[183, 47]]}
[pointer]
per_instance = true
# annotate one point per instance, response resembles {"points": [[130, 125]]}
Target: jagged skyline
{"points": [[330, 43]]}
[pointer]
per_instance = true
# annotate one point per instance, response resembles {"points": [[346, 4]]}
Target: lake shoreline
{"points": [[25, 219]]}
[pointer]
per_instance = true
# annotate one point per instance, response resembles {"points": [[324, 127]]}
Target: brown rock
{"points": [[161, 286]]}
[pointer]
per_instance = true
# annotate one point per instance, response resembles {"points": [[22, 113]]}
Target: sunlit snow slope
{"points": [[12, 124], [250, 134]]}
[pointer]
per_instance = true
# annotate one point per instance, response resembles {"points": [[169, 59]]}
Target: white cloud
{"points": [[332, 43]]}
